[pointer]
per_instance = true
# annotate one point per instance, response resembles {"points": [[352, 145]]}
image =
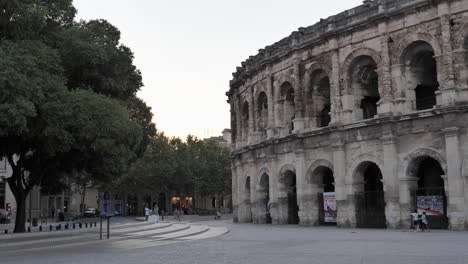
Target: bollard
{"points": [[100, 228], [74, 226], [50, 227], [108, 227], [40, 228]]}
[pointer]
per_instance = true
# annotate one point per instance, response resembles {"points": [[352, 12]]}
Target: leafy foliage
{"points": [[191, 167], [68, 107]]}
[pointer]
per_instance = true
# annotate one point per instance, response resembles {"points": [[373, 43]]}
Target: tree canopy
{"points": [[191, 167], [68, 104]]}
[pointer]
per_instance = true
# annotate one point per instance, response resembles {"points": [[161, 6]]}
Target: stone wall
{"points": [[384, 84]]}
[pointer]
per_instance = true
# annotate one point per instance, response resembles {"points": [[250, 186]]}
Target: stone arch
{"points": [[461, 37], [246, 206], [262, 104], [314, 166], [410, 163], [318, 94], [360, 159], [280, 82], [424, 176], [285, 106], [461, 55], [410, 38], [309, 70], [245, 117], [287, 195], [421, 74], [362, 83], [464, 170], [349, 61], [283, 170]]}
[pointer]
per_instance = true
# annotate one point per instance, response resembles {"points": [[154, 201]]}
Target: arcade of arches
{"points": [[356, 123]]}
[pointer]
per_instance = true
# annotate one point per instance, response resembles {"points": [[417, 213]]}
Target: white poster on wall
{"points": [[329, 206]]}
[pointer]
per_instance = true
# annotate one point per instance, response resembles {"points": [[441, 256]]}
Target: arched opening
{"points": [[319, 93], [245, 120], [262, 112], [288, 106], [290, 201], [233, 126], [429, 195], [365, 86], [369, 195], [420, 70], [323, 176], [264, 198], [247, 201]]}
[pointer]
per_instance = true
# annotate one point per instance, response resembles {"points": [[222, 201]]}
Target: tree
{"points": [[53, 123]]}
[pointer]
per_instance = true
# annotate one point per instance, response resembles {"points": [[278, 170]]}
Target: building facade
{"points": [[370, 105]]}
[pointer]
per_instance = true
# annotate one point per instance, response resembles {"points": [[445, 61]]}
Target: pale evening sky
{"points": [[188, 49]]}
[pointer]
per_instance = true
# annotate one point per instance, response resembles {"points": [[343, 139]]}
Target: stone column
{"points": [[303, 197], [239, 141], [271, 108], [390, 182], [251, 130], [235, 192], [385, 105], [345, 207], [447, 93], [298, 119], [335, 92], [273, 184], [407, 203], [454, 186]]}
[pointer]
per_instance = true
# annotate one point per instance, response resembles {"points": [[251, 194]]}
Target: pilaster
{"points": [[454, 186]]}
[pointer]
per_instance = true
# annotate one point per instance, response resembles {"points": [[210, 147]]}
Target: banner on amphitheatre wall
{"points": [[329, 206], [432, 205]]}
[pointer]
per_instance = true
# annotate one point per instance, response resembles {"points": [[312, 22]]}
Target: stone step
{"points": [[211, 232], [193, 230]]}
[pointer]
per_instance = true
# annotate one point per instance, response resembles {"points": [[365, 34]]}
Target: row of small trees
{"points": [[192, 167], [68, 105]]}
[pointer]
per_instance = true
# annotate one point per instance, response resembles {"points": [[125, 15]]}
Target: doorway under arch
{"points": [[429, 195], [369, 197], [264, 199], [290, 201], [247, 203]]}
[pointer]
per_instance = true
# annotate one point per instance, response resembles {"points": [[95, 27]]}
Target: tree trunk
{"points": [[20, 221], [83, 195], [20, 191]]}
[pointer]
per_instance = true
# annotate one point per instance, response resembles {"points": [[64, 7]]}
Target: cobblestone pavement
{"points": [[258, 244]]}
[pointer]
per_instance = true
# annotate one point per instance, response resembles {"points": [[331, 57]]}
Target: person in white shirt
{"points": [[415, 219], [147, 213]]}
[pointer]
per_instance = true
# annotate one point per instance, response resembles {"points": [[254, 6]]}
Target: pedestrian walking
{"points": [[424, 222], [415, 220], [147, 213], [176, 215], [162, 214]]}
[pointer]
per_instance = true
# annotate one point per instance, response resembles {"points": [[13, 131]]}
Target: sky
{"points": [[187, 50]]}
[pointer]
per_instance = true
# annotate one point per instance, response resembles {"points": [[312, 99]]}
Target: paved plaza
{"points": [[243, 243]]}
